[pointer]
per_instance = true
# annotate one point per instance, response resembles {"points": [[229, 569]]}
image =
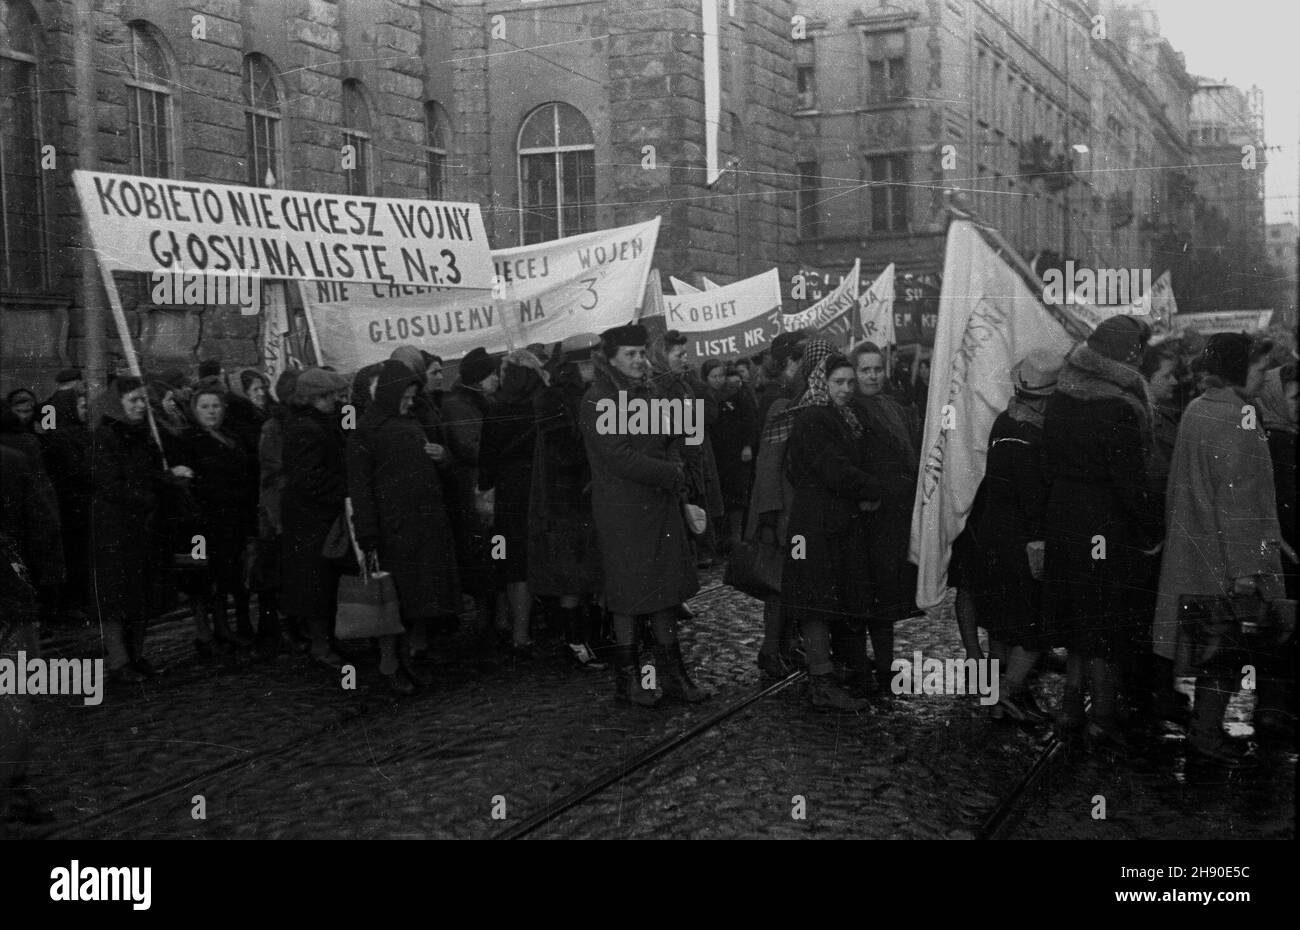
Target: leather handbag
{"points": [[368, 605], [754, 566]]}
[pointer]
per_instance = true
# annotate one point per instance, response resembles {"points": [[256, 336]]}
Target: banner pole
{"points": [[311, 323], [128, 348]]}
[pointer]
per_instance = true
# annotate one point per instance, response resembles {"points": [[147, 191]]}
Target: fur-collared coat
{"points": [[1098, 439], [638, 486], [1221, 510]]}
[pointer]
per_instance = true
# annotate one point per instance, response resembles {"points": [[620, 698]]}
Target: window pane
{"points": [[574, 129], [16, 30], [147, 62], [541, 219], [435, 126], [358, 177], [259, 84], [806, 205], [898, 195], [22, 229], [356, 115], [579, 175], [435, 170], [539, 129]]}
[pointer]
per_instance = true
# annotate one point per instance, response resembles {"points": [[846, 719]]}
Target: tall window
{"points": [[806, 83], [808, 195], [356, 133], [148, 103], [886, 65], [888, 193], [436, 133], [557, 174], [262, 114], [22, 204]]}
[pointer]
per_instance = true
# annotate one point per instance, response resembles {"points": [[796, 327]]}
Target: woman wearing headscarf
{"points": [[399, 515], [1102, 520], [248, 404], [506, 469], [1223, 527], [563, 557], [128, 475], [315, 487], [638, 488], [770, 501], [823, 584], [225, 489]]}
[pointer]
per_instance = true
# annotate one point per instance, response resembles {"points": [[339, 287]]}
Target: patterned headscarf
{"points": [[816, 394]]}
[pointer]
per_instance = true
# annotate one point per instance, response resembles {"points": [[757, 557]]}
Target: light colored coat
{"points": [[1221, 512]]}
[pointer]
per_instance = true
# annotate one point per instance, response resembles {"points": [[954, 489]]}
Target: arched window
{"points": [[356, 133], [22, 202], [557, 174], [437, 133], [148, 102], [262, 114]]}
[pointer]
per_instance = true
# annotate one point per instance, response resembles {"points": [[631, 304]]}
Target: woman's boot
{"points": [[1207, 737], [627, 678], [671, 669]]}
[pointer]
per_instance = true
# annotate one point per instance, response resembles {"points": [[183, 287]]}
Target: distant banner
{"points": [[1224, 321], [737, 319], [150, 224], [681, 287], [545, 293], [835, 304], [276, 348], [876, 309]]}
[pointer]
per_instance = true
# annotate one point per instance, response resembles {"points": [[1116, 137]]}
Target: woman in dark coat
{"points": [[732, 437], [225, 489], [67, 459], [1011, 524], [823, 583], [315, 486], [43, 548], [1102, 520], [889, 455], [563, 558], [638, 488], [247, 406], [271, 633], [506, 468], [399, 514], [127, 472], [463, 410]]}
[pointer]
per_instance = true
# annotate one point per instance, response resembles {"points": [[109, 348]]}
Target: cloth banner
{"points": [[276, 350], [831, 307], [1224, 321], [989, 319], [543, 293], [157, 224], [736, 319], [681, 287], [876, 309]]}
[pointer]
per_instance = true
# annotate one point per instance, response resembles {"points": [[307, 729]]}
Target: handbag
{"points": [[754, 567], [1226, 632], [368, 605], [340, 548]]}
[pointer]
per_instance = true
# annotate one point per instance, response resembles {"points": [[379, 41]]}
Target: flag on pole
{"points": [[680, 287], [989, 320], [830, 310], [709, 285], [276, 350], [876, 309]]}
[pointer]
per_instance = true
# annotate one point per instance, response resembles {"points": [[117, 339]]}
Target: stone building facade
{"points": [[557, 116]]}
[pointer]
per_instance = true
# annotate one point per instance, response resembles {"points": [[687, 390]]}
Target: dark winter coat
{"points": [[1015, 502], [1098, 440], [733, 431], [824, 462], [397, 501], [43, 547], [67, 460], [315, 486], [506, 465], [244, 420], [638, 485], [128, 477], [889, 456], [225, 488], [563, 557], [463, 410], [703, 488]]}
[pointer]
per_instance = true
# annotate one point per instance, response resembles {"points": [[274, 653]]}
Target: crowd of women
{"points": [[1110, 494]]}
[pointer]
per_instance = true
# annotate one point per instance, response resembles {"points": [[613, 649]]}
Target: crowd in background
{"points": [[498, 499]]}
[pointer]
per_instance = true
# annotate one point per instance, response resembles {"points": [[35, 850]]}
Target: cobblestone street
{"points": [[278, 750]]}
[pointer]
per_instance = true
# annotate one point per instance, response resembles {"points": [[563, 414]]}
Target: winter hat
{"points": [[477, 366], [174, 379], [1227, 355], [210, 368], [784, 346], [633, 334], [67, 374], [410, 356], [1119, 337], [286, 384], [1037, 373], [314, 382]]}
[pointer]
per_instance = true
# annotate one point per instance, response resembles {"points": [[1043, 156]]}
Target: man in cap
{"points": [[638, 489]]}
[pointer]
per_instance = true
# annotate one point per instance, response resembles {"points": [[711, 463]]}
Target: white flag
{"points": [[680, 287], [876, 309], [988, 321]]}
